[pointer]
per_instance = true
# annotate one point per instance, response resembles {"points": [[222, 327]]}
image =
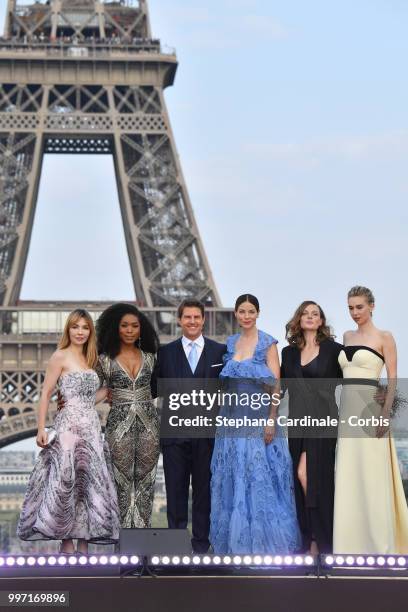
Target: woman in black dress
{"points": [[312, 354]]}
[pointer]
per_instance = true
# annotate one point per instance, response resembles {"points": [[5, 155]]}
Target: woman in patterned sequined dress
{"points": [[127, 344], [71, 492]]}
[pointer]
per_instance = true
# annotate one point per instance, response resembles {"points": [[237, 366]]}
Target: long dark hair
{"points": [[107, 330], [294, 333]]}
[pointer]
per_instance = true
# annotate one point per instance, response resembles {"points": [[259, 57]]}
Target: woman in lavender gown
{"points": [[71, 492]]}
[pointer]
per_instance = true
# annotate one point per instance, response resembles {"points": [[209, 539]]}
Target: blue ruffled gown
{"points": [[252, 492]]}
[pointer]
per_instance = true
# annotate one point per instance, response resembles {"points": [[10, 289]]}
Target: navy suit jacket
{"points": [[172, 363]]}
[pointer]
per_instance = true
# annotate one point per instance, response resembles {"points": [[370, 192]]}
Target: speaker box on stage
{"points": [[149, 542]]}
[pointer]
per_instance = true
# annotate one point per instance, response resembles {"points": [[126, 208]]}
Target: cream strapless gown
{"points": [[370, 510]]}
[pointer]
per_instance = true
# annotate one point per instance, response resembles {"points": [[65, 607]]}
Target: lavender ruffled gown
{"points": [[71, 491]]}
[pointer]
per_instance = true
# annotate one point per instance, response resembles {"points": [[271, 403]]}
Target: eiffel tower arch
{"points": [[87, 77]]}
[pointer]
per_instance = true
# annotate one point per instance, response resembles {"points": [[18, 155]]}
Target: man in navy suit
{"points": [[188, 459]]}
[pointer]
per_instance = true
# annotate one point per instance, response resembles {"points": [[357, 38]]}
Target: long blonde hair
{"points": [[89, 348]]}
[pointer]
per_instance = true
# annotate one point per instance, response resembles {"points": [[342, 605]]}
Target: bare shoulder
{"points": [[347, 335], [58, 357], [387, 338]]}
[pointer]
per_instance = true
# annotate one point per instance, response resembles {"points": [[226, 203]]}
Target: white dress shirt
{"points": [[199, 342]]}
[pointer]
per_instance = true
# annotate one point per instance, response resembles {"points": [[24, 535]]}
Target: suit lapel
{"points": [[182, 361]]}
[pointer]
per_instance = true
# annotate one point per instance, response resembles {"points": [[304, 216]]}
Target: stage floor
{"points": [[221, 593]]}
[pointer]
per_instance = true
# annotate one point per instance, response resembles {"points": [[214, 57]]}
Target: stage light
{"points": [[114, 560], [124, 559], [20, 561], [258, 560], [134, 559], [62, 560], [227, 560], [298, 560], [82, 560], [391, 561], [401, 561], [93, 560], [175, 560], [165, 560], [329, 560], [278, 560], [288, 560], [186, 560], [216, 560], [196, 560], [247, 560], [350, 560], [103, 560], [51, 560], [380, 561], [237, 560], [10, 561], [72, 560], [360, 561], [206, 560], [155, 560], [370, 560], [31, 561], [339, 560]]}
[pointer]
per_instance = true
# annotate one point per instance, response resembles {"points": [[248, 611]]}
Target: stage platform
{"points": [[210, 583], [221, 593]]}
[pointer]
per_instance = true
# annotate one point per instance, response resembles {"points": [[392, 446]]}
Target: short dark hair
{"points": [[190, 303], [247, 297], [107, 330]]}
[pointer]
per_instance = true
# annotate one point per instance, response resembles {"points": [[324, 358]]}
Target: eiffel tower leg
{"points": [[156, 209], [21, 154]]}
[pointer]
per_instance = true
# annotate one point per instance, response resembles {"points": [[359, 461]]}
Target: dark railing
{"points": [[91, 48]]}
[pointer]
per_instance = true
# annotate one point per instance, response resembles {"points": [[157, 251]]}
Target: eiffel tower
{"points": [[87, 77]]}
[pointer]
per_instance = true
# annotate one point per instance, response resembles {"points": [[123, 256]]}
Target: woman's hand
{"points": [[42, 438], [269, 433], [60, 401]]}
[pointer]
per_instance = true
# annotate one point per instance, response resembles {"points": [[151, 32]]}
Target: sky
{"points": [[290, 119]]}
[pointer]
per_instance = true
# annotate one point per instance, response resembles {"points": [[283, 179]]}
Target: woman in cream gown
{"points": [[370, 510]]}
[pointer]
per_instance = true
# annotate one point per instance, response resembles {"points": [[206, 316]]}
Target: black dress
{"points": [[315, 510]]}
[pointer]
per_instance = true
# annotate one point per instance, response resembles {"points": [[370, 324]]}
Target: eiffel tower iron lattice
{"points": [[84, 76], [87, 77]]}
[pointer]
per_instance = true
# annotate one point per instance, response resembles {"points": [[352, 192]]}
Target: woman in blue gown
{"points": [[252, 491]]}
